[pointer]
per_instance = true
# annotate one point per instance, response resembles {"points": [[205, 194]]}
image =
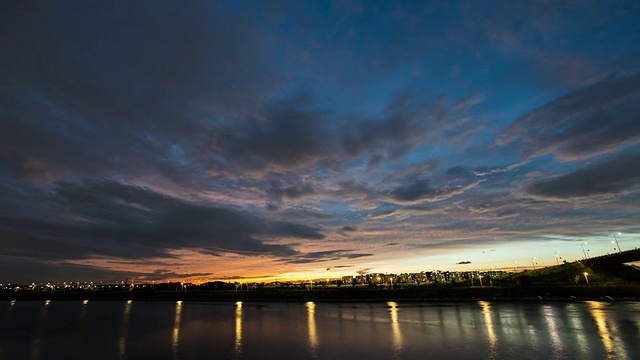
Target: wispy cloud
{"points": [[149, 137], [596, 120]]}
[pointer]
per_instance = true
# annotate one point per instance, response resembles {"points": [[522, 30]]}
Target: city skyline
{"points": [[231, 140]]}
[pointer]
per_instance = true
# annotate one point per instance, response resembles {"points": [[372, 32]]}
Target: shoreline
{"points": [[418, 294]]}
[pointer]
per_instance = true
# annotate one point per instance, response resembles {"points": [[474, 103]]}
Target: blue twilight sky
{"points": [[197, 140]]}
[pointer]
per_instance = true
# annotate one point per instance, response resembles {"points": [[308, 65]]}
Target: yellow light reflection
{"points": [[122, 342], [83, 309], [35, 345], [612, 345], [313, 332], [488, 321], [238, 344], [395, 330], [176, 329], [13, 302], [556, 339]]}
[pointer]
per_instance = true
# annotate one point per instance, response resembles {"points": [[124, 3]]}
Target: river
{"points": [[295, 330]]}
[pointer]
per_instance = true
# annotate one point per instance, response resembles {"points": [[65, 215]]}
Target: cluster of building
{"points": [[374, 279], [424, 277], [66, 286]]}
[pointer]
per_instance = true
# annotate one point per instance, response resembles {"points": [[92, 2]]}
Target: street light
{"points": [[615, 237], [533, 261], [584, 252], [586, 277], [557, 260]]}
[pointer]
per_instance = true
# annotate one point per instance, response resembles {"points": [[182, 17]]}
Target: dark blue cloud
{"points": [[415, 190], [320, 256], [99, 218], [600, 118], [610, 176]]}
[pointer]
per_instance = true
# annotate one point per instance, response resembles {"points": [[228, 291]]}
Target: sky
{"points": [[230, 140]]}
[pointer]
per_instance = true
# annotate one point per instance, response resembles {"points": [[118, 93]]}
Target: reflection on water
{"points": [[612, 344], [241, 330], [122, 342], [35, 346], [238, 341], [550, 318], [577, 323], [83, 309], [176, 329], [313, 334], [395, 330], [493, 339]]}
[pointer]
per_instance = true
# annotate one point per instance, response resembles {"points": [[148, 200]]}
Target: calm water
{"points": [[197, 330]]}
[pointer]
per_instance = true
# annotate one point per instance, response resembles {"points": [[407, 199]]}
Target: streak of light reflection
{"points": [[612, 344], [238, 341], [488, 321], [395, 330], [124, 329], [176, 329], [313, 331], [556, 339]]}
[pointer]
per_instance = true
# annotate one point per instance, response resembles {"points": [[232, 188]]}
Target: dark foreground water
{"points": [[200, 330]]}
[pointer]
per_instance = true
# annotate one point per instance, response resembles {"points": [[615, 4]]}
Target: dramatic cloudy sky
{"points": [[202, 140]]}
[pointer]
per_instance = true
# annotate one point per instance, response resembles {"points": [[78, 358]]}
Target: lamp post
{"points": [[584, 252], [533, 262], [586, 277], [557, 260], [615, 237]]}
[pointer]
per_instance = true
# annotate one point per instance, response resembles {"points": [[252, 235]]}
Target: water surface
{"points": [[226, 330]]}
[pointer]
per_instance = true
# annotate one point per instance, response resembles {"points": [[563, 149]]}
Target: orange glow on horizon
{"points": [[189, 266]]}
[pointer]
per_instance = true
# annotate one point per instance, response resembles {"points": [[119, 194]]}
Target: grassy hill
{"points": [[573, 274]]}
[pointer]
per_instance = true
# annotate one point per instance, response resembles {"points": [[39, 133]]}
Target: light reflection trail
{"points": [[612, 344], [12, 305], [176, 329], [575, 318], [509, 323], [35, 346], [488, 321], [313, 332], [556, 339], [532, 333], [395, 329], [83, 309], [238, 343], [122, 342], [461, 329]]}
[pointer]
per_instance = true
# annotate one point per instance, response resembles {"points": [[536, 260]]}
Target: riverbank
{"points": [[419, 293]]}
